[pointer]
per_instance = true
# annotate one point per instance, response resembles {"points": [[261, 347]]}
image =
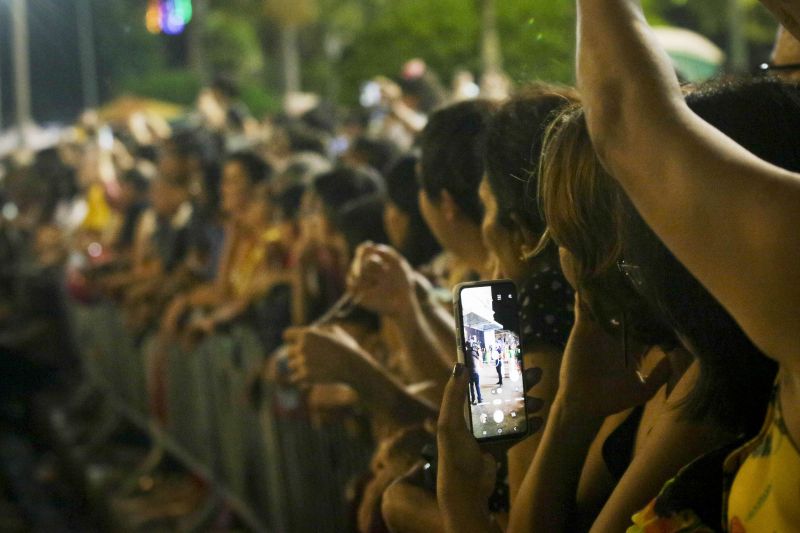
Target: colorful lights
{"points": [[168, 16]]}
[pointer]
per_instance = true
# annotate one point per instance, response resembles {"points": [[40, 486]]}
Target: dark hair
{"points": [[513, 146], [288, 200], [137, 179], [402, 190], [257, 170], [378, 153], [226, 85], [147, 152], [452, 154], [361, 220], [321, 118], [735, 379], [59, 180], [751, 112], [189, 144], [302, 168], [345, 184], [427, 89], [305, 139]]}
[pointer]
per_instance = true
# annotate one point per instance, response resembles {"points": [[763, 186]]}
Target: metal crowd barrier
{"points": [[274, 468]]}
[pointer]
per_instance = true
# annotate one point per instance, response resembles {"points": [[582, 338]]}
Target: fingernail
{"points": [[458, 369]]}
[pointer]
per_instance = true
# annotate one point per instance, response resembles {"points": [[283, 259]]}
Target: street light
{"points": [[22, 75]]}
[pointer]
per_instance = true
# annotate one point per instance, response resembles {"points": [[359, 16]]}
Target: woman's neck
{"points": [[789, 397]]}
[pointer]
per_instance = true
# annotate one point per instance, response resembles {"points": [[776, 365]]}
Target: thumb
{"points": [[451, 412]]}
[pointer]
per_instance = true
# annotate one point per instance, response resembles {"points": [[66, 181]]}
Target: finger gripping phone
{"points": [[490, 346]]}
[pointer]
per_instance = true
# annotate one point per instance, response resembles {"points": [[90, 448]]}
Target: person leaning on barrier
{"points": [[588, 214], [246, 242], [510, 229]]}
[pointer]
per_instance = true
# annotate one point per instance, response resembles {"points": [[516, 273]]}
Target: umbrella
{"points": [[695, 57], [121, 109]]}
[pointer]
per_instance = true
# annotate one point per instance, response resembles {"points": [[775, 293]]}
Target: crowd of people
{"points": [[651, 229]]}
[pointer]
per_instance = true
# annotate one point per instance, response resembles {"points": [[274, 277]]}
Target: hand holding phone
{"points": [[489, 345]]}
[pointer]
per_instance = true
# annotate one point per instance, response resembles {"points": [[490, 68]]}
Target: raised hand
{"points": [[596, 380], [466, 474], [382, 280], [319, 355]]}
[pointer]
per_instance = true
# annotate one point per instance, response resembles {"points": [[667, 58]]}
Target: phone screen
{"points": [[492, 352]]}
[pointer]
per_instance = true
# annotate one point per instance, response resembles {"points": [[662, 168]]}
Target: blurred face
{"points": [[235, 190], [166, 198], [171, 164], [435, 219], [500, 240], [258, 211], [396, 222], [313, 223], [255, 214], [127, 195]]}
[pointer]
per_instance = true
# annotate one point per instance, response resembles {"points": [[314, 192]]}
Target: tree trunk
{"points": [[491, 53], [195, 38], [737, 41], [22, 77], [290, 57]]}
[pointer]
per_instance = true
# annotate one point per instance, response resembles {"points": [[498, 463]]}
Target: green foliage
{"points": [[260, 101], [232, 46], [123, 46], [179, 86], [445, 33], [353, 40], [538, 39]]}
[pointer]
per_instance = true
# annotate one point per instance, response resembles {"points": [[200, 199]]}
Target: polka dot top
{"points": [[547, 308]]}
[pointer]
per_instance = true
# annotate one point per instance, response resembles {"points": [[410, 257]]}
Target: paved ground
{"points": [[502, 407]]}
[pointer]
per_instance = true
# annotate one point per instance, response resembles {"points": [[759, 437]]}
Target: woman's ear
{"points": [[448, 205]]}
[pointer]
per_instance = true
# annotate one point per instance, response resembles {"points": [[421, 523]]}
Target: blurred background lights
{"points": [[168, 16]]}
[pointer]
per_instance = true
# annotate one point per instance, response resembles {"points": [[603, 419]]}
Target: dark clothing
{"points": [[618, 447], [474, 378], [546, 311], [130, 221], [171, 243], [475, 387]]}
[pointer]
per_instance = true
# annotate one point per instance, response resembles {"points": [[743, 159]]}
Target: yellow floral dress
{"points": [[756, 485]]}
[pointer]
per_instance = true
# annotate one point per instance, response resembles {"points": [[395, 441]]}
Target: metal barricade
{"points": [[291, 473]]}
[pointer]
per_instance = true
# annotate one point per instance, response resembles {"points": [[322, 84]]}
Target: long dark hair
{"points": [[601, 227], [514, 146], [402, 189]]}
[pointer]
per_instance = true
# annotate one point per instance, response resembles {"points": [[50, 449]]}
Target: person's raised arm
{"points": [[320, 356], [730, 217], [385, 283]]}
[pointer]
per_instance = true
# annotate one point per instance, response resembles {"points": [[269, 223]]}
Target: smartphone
{"points": [[490, 346]]}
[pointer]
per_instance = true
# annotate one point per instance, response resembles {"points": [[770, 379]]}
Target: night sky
{"points": [[55, 66]]}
